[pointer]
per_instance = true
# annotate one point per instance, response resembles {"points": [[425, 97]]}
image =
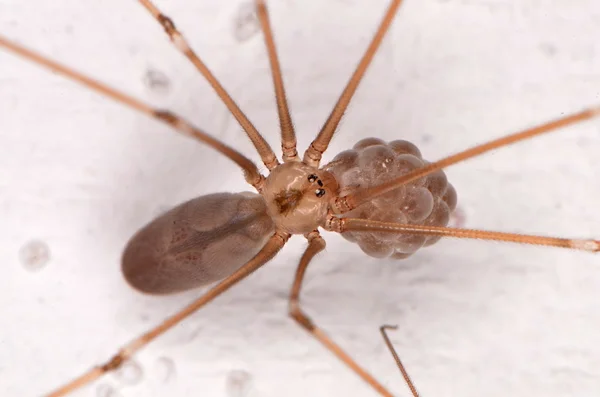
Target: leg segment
{"points": [[315, 245], [288, 136], [409, 382], [312, 155], [341, 225], [251, 172], [270, 249], [360, 196], [261, 145]]}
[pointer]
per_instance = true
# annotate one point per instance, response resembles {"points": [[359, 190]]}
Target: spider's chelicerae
{"points": [[387, 196]]}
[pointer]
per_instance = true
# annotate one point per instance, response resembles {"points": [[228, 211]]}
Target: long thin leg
{"points": [[315, 245], [403, 371], [341, 225], [288, 136], [360, 196], [264, 150], [271, 248], [251, 172], [312, 155]]}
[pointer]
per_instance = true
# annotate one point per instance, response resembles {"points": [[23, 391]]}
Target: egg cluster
{"points": [[426, 201]]}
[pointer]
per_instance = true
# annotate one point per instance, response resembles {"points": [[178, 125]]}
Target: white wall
{"points": [[81, 174]]}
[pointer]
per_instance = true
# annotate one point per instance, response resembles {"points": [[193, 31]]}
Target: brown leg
{"points": [[264, 150], [266, 254], [251, 172], [341, 225], [363, 195], [315, 245], [288, 136], [409, 382], [312, 155]]}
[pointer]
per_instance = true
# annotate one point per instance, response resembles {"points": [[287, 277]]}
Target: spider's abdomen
{"points": [[426, 201], [196, 243]]}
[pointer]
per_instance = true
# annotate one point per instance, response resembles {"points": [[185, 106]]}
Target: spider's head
{"points": [[298, 196]]}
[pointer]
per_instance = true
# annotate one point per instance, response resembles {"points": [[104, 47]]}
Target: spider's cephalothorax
{"points": [[298, 196]]}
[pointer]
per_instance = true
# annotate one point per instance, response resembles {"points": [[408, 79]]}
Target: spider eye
{"points": [[320, 192], [312, 178]]}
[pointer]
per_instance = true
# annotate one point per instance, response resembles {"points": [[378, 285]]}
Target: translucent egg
{"points": [[418, 203], [405, 147], [363, 143]]}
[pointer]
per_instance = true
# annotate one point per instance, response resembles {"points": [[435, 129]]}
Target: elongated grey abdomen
{"points": [[196, 243]]}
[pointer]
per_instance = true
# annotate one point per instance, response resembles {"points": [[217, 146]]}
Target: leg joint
{"points": [[296, 313], [115, 362]]}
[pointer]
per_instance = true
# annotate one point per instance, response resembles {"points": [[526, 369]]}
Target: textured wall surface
{"points": [[79, 174]]}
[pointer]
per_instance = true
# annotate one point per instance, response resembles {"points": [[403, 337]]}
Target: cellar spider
{"points": [[508, 223]]}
